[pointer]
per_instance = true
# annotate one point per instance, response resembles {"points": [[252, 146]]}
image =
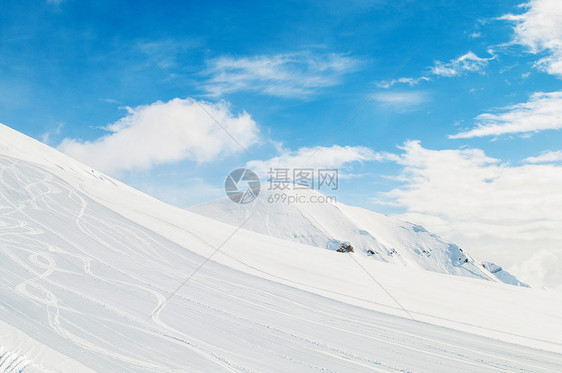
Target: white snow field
{"points": [[326, 225], [87, 264]]}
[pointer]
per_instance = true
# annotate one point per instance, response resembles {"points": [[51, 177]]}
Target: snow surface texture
{"points": [[87, 265], [503, 275], [326, 225]]}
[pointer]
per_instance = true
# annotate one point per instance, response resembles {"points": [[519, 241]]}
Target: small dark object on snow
{"points": [[345, 247], [370, 252]]}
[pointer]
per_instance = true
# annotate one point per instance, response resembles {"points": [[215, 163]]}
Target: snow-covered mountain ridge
{"points": [[326, 225]]}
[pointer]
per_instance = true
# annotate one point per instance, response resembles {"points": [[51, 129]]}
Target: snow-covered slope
{"points": [[93, 278], [326, 225], [502, 274]]}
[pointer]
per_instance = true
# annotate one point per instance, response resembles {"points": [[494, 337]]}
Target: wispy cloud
{"points": [[545, 157], [47, 136], [468, 62], [285, 75], [499, 212], [170, 53], [409, 81], [540, 30], [165, 132], [542, 112], [317, 157], [402, 100]]}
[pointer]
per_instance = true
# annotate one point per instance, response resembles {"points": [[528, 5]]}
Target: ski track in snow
{"points": [[92, 285]]}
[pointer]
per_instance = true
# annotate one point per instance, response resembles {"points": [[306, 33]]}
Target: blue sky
{"points": [[449, 83]]}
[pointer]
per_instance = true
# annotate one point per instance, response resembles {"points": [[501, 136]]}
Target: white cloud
{"points": [[469, 62], [542, 268], [317, 157], [410, 81], [284, 75], [166, 132], [540, 30], [546, 157], [498, 212], [542, 112], [403, 100]]}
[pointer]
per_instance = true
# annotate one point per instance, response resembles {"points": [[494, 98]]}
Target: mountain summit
{"points": [[307, 216]]}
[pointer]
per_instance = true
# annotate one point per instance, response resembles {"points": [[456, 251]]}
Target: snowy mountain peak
{"points": [[307, 216]]}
